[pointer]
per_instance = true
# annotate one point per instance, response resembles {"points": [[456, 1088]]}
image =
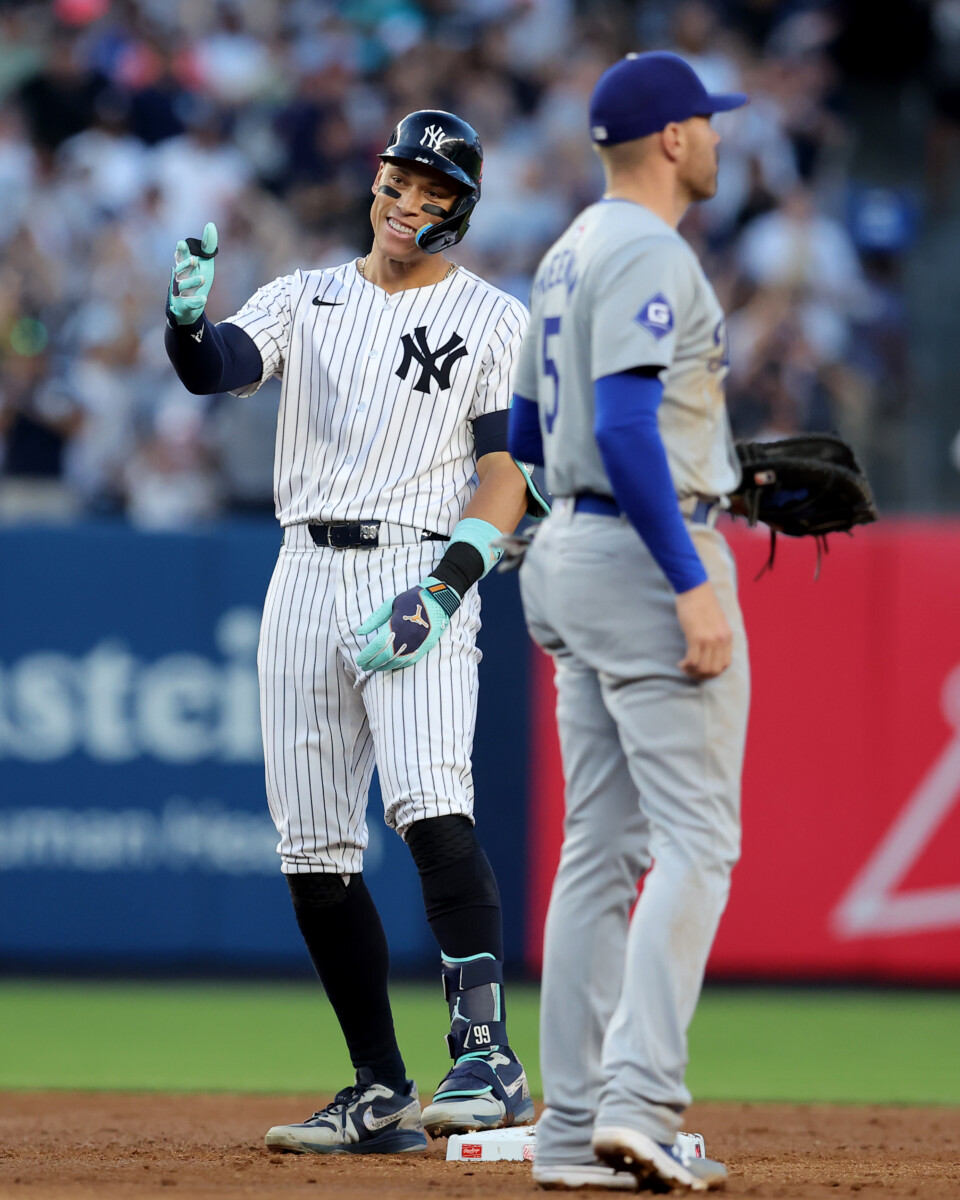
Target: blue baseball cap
{"points": [[643, 93]]}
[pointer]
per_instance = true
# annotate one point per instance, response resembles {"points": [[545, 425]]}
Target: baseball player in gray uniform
{"points": [[632, 590], [392, 481]]}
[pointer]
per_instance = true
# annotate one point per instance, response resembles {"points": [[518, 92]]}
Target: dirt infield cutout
{"points": [[72, 1145]]}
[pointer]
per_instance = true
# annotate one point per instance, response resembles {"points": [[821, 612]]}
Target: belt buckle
{"points": [[349, 535], [369, 534]]}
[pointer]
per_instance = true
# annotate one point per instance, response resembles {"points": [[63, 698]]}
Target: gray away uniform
{"points": [[652, 759]]}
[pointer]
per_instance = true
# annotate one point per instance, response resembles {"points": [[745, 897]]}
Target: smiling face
{"points": [[396, 221]]}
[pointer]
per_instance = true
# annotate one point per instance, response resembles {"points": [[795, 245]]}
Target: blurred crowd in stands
{"points": [[126, 124]]}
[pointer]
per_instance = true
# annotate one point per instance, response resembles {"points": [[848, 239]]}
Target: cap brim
{"points": [[727, 102]]}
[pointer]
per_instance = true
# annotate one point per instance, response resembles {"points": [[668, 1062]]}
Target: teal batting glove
{"points": [[414, 621], [537, 505], [192, 277]]}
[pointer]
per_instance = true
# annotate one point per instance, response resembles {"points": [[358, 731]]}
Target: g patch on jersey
{"points": [[656, 316]]}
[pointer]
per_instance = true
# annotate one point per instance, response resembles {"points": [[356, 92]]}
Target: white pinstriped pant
{"points": [[326, 723]]}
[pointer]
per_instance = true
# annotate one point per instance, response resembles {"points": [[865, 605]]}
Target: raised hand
{"points": [[192, 276]]}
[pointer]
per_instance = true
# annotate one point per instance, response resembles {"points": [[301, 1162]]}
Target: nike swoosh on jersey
{"points": [[331, 303]]}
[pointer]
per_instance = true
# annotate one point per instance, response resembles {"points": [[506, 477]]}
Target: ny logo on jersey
{"points": [[433, 136], [431, 366]]}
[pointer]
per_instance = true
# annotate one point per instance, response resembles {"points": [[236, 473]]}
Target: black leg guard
{"points": [[341, 927], [460, 893], [462, 903]]}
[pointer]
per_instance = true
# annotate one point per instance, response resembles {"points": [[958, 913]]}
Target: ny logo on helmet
{"points": [[431, 366], [433, 137]]}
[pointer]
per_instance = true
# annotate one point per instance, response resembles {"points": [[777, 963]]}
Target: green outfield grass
{"points": [[856, 1046]]}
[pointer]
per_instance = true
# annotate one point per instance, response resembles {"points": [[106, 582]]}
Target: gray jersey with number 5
{"points": [[622, 289]]}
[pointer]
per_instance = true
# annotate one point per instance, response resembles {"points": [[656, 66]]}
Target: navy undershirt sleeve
{"points": [[523, 438], [632, 450], [490, 433], [223, 358]]}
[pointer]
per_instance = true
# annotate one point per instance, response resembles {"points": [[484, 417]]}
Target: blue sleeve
{"points": [[628, 435], [212, 358], [523, 436]]}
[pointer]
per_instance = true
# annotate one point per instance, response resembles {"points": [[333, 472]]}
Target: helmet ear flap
{"points": [[432, 239]]}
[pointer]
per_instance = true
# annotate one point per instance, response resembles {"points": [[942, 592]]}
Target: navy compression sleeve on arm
{"points": [[221, 359], [628, 435], [490, 433], [523, 436]]}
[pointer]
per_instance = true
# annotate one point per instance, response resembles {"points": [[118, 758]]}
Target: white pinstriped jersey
{"points": [[379, 391]]}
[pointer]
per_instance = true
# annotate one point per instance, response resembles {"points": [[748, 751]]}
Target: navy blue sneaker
{"points": [[481, 1091], [368, 1118], [656, 1166]]}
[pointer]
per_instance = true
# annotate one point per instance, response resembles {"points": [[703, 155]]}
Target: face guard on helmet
{"points": [[444, 142]]}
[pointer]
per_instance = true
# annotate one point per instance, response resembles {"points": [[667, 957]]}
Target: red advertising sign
{"points": [[851, 796]]}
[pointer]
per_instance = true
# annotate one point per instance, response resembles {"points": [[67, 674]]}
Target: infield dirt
{"points": [[73, 1145]]}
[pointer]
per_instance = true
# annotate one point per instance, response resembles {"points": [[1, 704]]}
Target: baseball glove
{"points": [[807, 486]]}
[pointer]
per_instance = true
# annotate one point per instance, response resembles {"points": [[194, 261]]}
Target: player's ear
{"points": [[376, 179], [673, 140]]}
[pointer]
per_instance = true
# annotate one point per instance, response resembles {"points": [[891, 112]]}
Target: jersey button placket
{"points": [[372, 354]]}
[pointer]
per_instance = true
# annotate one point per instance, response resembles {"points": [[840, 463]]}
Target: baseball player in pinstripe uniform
{"points": [[632, 590], [392, 480]]}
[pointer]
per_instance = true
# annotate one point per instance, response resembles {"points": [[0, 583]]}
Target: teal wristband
{"points": [[479, 534]]}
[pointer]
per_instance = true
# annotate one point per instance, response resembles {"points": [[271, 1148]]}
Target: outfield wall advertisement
{"points": [[851, 802], [133, 824]]}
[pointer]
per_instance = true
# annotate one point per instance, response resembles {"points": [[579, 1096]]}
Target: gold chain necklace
{"points": [[361, 264]]}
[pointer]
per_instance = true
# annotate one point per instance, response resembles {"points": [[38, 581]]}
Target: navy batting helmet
{"points": [[448, 144]]}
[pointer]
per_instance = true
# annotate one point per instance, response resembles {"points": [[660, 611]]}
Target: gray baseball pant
{"points": [[652, 763]]}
